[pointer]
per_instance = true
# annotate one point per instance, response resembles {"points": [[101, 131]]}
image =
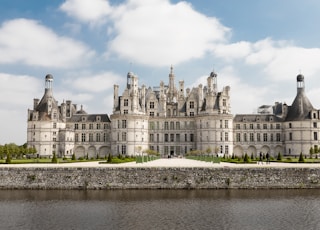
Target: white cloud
{"points": [[29, 42], [91, 11], [229, 52], [158, 33], [95, 82], [17, 92]]}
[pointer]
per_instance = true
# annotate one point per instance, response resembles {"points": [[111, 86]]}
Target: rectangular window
{"points": [[90, 137], [224, 102], [258, 137], [124, 124], [151, 125], [76, 138], [271, 137], [191, 137], [237, 126], [83, 126], [258, 126], [166, 125], [172, 125], [54, 125], [105, 137], [278, 136], [226, 124], [251, 126], [125, 102], [238, 137], [98, 126], [290, 136], [251, 137], [265, 137], [191, 114], [221, 136], [177, 137], [226, 136], [124, 136], [314, 124], [151, 105], [125, 111], [245, 137], [151, 114], [83, 137], [315, 136], [191, 104], [98, 137], [177, 125], [90, 126], [166, 137], [277, 126], [151, 137], [172, 137], [265, 126], [185, 137], [123, 149], [290, 125]]}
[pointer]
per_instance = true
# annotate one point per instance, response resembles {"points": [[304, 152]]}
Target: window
{"points": [[166, 137], [158, 138], [278, 136], [226, 124], [125, 111], [76, 138], [315, 136], [124, 124], [237, 126], [54, 125], [226, 136], [221, 136], [166, 125], [258, 126], [191, 114], [290, 136], [314, 124], [98, 137], [98, 126], [83, 137], [191, 137], [90, 137], [151, 137], [151, 105], [172, 137], [151, 114], [290, 125], [238, 137], [177, 137], [83, 126], [151, 125], [265, 137], [277, 126], [265, 126], [258, 137], [224, 102], [185, 137], [221, 124], [123, 149], [54, 139], [251, 137], [226, 149], [191, 105], [124, 136], [271, 137], [125, 102], [177, 125], [90, 126], [244, 126], [245, 137], [172, 125], [105, 137], [251, 126]]}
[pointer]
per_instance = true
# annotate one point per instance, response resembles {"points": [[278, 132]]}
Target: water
{"points": [[160, 209]]}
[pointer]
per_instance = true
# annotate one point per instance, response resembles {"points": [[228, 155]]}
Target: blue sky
{"points": [[256, 47]]}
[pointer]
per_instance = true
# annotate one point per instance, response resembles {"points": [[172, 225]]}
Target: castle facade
{"points": [[172, 121]]}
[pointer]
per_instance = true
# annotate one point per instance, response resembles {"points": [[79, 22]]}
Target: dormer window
{"points": [[83, 118], [98, 118], [125, 102], [151, 105], [191, 105]]}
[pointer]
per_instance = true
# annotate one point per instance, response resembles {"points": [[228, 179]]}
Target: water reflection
{"points": [[160, 209]]}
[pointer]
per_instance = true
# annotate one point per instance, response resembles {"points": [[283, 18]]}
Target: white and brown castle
{"points": [[172, 121]]}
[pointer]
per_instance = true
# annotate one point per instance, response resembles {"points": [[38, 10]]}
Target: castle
{"points": [[172, 121]]}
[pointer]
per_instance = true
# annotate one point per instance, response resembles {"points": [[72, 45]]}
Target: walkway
{"points": [[173, 162]]}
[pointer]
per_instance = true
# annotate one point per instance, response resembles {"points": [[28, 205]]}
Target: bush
{"points": [[73, 157], [246, 158], [109, 159], [301, 159], [54, 158], [8, 159], [279, 158]]}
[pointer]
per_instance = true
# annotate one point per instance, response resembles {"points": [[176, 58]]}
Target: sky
{"points": [[256, 47]]}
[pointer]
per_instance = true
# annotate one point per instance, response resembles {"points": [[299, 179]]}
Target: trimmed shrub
{"points": [[301, 159], [54, 158], [279, 158]]}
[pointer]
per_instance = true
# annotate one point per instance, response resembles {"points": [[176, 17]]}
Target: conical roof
{"points": [[300, 108]]}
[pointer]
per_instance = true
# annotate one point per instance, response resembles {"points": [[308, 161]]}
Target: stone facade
{"points": [[172, 121], [159, 178]]}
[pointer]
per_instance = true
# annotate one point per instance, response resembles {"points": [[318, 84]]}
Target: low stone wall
{"points": [[159, 178]]}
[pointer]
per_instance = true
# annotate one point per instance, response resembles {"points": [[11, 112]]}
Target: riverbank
{"points": [[160, 174]]}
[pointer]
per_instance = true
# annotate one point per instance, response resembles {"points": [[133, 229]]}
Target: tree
{"points": [[8, 159], [301, 159], [73, 157], [54, 158], [279, 158], [109, 158], [311, 152], [246, 158]]}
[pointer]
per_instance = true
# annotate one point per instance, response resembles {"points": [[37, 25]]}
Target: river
{"points": [[160, 209]]}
